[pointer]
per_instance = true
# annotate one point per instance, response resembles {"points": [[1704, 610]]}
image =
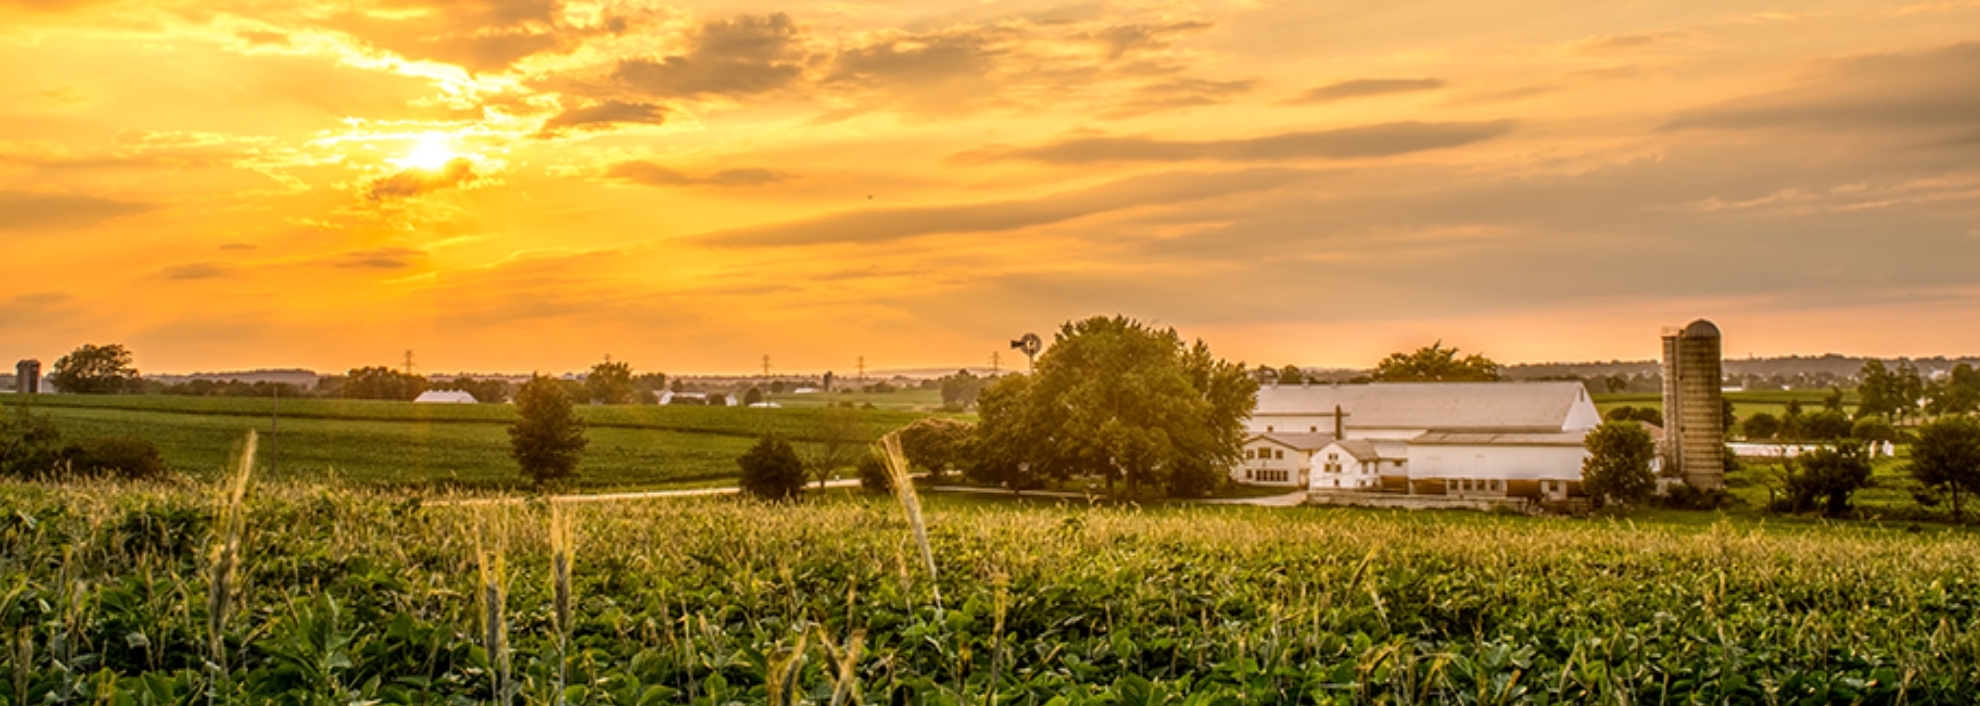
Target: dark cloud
{"points": [[376, 259], [604, 115], [886, 224], [1364, 87], [413, 182], [197, 270], [479, 35], [748, 55], [32, 211], [1935, 91], [1347, 143], [1179, 93], [652, 174]]}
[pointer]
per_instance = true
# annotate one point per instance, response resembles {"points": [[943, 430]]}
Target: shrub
{"points": [[771, 470], [873, 476], [1618, 464], [126, 457]]}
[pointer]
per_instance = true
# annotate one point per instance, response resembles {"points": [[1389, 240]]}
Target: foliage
{"points": [[752, 397], [1628, 413], [771, 470], [1435, 363], [1946, 458], [94, 370], [125, 457], [1958, 393], [359, 597], [1892, 394], [1827, 476], [1117, 399], [491, 391], [648, 386], [1761, 426], [382, 383], [1826, 425], [1617, 469], [936, 444], [547, 439], [610, 383], [262, 389], [873, 475], [1873, 430], [837, 443], [29, 443], [960, 391]]}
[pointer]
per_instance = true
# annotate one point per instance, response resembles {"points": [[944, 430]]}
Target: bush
{"points": [[1827, 477], [771, 470], [126, 457], [873, 475], [1685, 497]]}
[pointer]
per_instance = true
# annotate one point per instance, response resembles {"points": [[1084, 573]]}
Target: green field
{"points": [[356, 596], [400, 443], [1745, 403]]}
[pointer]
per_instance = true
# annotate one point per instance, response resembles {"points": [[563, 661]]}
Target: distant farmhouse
{"points": [[1513, 439]]}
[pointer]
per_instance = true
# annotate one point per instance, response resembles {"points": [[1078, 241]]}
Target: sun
{"points": [[430, 153]]}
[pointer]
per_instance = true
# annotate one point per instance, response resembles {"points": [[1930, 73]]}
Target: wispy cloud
{"points": [[1347, 143], [1365, 87]]}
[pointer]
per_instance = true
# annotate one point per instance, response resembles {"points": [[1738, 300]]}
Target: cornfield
{"points": [[345, 595]]}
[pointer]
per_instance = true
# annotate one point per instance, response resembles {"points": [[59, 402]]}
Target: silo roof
{"points": [[1701, 329]]}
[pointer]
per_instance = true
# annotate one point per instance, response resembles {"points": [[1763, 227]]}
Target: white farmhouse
{"points": [[1465, 439]]}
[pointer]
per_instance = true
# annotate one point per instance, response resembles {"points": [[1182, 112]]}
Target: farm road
{"points": [[1287, 500]]}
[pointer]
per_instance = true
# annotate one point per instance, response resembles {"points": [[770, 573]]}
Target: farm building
{"points": [[444, 397], [1465, 439]]}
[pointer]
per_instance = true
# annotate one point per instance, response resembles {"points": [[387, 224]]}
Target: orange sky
{"points": [[534, 184]]}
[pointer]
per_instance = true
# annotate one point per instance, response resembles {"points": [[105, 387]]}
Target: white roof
{"points": [[1373, 449], [1295, 441], [445, 397], [1503, 406], [1562, 438]]}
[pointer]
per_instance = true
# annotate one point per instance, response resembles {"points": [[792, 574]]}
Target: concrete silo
{"points": [[27, 377], [1694, 408]]}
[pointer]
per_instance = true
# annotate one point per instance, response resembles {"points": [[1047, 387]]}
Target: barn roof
{"points": [[445, 396], [1445, 438], [1450, 406], [1298, 441]]}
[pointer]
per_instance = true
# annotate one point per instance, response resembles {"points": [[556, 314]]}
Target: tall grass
{"points": [[223, 554]]}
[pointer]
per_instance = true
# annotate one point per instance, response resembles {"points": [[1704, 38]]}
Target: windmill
{"points": [[1030, 344]]}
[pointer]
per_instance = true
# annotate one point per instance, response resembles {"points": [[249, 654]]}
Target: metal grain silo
{"points": [[1694, 408]]}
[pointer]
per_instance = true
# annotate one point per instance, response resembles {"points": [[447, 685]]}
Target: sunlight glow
{"points": [[431, 154]]}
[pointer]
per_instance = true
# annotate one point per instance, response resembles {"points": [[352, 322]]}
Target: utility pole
{"points": [[993, 363], [862, 370], [409, 361], [766, 365]]}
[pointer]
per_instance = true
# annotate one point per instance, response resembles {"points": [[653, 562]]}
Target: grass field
{"points": [[400, 443], [360, 596], [1745, 403]]}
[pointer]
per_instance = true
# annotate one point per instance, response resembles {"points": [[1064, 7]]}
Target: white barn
{"points": [[1464, 439], [445, 397]]}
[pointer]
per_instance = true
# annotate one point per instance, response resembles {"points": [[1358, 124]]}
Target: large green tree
{"points": [[610, 383], [771, 470], [1617, 469], [1120, 400], [1827, 476], [1946, 458], [94, 370], [547, 439], [1435, 363]]}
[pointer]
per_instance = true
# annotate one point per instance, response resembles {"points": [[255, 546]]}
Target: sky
{"points": [[515, 185]]}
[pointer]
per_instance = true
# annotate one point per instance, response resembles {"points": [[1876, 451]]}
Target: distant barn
{"points": [[444, 397]]}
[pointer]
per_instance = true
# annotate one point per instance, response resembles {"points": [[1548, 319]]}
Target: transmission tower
{"points": [[993, 363], [766, 365], [409, 361], [862, 369]]}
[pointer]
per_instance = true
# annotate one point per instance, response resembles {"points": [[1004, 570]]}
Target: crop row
{"points": [[352, 595]]}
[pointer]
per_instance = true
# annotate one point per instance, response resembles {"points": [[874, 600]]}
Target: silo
{"points": [[1694, 409], [27, 376]]}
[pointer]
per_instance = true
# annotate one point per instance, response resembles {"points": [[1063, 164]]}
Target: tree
{"points": [[28, 443], [1959, 393], [1618, 465], [1726, 416], [1872, 430], [381, 383], [1946, 458], [960, 391], [484, 391], [1627, 413], [1762, 426], [838, 443], [94, 370], [753, 397], [1828, 475], [771, 470], [547, 439], [1291, 375], [1834, 400], [1826, 425], [873, 474], [1907, 388], [1115, 398], [610, 383], [1436, 363], [1793, 423], [937, 443], [648, 386]]}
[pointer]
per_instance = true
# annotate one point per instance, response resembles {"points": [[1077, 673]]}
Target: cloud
{"points": [[238, 246], [478, 35], [1347, 143], [887, 224], [1618, 43], [1365, 87], [748, 55], [602, 116], [197, 270], [652, 174], [1896, 93], [33, 211], [1121, 40], [375, 259], [414, 182], [1179, 93]]}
